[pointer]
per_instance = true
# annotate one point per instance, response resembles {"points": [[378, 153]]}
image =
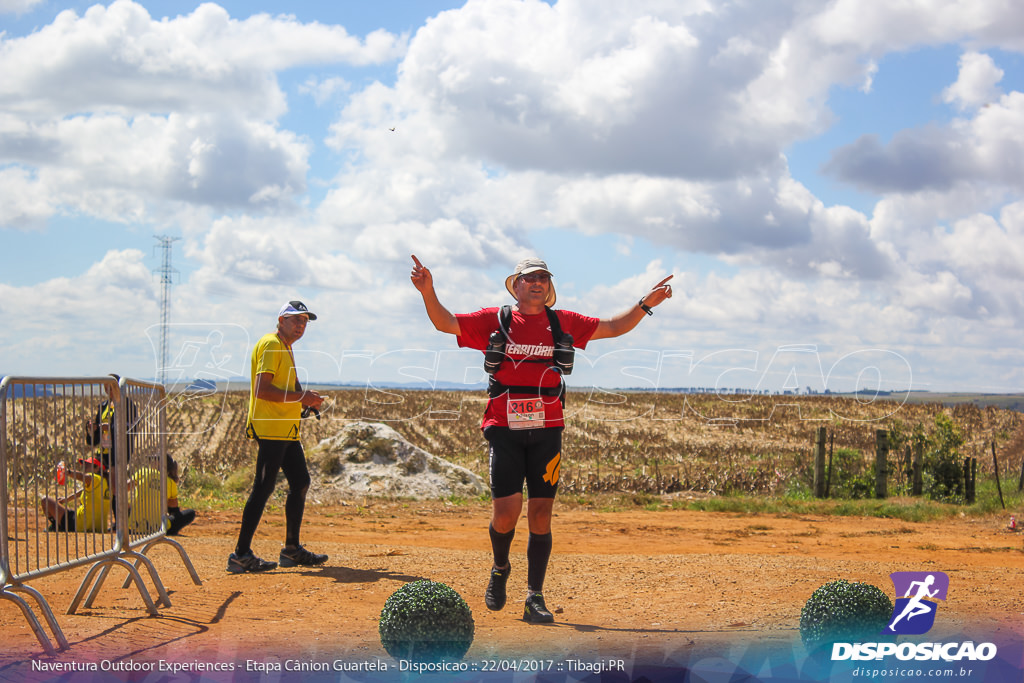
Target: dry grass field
{"points": [[642, 443]]}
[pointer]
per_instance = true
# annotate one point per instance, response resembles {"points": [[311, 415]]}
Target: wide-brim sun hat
{"points": [[531, 265]]}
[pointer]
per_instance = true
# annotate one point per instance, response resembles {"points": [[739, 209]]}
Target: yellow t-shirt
{"points": [[92, 513], [148, 505], [269, 419]]}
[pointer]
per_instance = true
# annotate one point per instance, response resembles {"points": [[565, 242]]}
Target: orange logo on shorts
{"points": [[554, 466]]}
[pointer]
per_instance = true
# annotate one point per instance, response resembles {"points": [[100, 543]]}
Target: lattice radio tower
{"points": [[166, 273]]}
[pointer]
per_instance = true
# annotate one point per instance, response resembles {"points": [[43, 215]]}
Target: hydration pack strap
{"points": [[505, 321], [496, 388]]}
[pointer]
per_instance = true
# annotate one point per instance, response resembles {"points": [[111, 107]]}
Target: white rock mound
{"points": [[367, 458]]}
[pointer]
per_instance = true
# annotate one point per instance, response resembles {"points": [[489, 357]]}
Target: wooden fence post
{"points": [[995, 464], [974, 480], [918, 486], [965, 476], [970, 474], [819, 462], [828, 478], [881, 463], [907, 470]]}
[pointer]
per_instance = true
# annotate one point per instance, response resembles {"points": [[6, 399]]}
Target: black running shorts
{"points": [[530, 455]]}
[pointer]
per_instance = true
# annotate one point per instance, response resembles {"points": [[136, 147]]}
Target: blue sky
{"points": [[835, 186]]}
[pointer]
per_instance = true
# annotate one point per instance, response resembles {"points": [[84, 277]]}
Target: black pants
{"points": [[179, 519], [275, 456]]}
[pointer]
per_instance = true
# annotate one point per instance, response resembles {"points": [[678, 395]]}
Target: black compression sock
{"points": [[538, 551], [500, 546]]}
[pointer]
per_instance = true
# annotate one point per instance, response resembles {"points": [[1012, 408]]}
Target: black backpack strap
{"points": [[505, 321], [496, 388], [556, 325]]}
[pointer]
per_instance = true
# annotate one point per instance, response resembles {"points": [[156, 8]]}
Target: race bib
{"points": [[525, 413]]}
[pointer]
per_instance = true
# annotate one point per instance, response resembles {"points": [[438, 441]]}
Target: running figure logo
{"points": [[914, 613]]}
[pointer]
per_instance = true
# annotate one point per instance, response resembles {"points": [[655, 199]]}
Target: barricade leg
{"points": [[37, 628], [165, 599], [102, 568], [181, 552], [44, 607]]}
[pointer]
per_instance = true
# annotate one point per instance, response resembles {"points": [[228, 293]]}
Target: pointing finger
{"points": [[416, 261], [663, 281]]}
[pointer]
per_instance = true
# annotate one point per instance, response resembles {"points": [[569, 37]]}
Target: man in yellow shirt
{"points": [[276, 400]]}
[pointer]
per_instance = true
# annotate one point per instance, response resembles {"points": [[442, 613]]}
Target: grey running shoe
{"points": [[495, 595], [535, 611], [294, 557], [248, 563]]}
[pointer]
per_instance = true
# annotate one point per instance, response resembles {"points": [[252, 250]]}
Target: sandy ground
{"points": [[637, 586]]}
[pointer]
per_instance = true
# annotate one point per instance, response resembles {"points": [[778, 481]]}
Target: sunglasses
{"points": [[536, 277]]}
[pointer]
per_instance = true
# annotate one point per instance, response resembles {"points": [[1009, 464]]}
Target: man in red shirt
{"points": [[523, 421]]}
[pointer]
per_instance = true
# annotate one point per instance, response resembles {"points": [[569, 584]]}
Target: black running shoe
{"points": [[248, 563], [294, 557], [495, 595], [535, 611]]}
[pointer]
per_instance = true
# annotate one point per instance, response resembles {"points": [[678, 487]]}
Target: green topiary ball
{"points": [[427, 622], [840, 611]]}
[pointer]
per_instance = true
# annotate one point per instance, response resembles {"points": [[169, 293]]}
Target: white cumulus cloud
{"points": [[977, 84]]}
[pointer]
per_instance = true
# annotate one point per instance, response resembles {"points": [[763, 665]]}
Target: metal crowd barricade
{"points": [[55, 503], [145, 505]]}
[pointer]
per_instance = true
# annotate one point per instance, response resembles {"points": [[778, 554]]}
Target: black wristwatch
{"points": [[645, 308]]}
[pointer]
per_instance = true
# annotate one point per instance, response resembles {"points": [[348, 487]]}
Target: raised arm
{"points": [[627, 320], [440, 316]]}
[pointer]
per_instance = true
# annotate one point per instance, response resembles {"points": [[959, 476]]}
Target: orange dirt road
{"points": [[635, 586]]}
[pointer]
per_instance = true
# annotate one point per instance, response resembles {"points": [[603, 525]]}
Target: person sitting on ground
{"points": [[179, 519], [92, 501], [146, 514], [100, 432]]}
